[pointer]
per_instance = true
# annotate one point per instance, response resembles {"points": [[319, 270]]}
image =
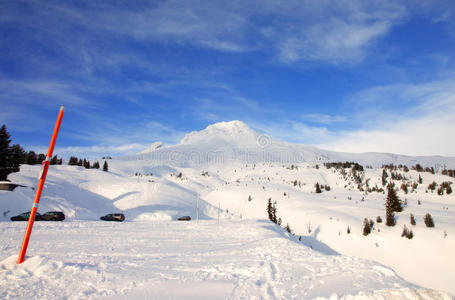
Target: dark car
{"points": [[24, 217], [53, 216], [113, 217], [184, 218]]}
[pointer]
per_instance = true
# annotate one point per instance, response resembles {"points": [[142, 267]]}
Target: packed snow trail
{"points": [[237, 259]]}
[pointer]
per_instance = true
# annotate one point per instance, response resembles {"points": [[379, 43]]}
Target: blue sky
{"points": [[350, 76]]}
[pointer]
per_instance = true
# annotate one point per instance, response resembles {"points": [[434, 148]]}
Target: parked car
{"points": [[53, 216], [24, 217], [184, 218], [113, 217]]}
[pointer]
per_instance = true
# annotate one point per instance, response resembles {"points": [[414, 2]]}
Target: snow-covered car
{"points": [[113, 217], [53, 216], [184, 218], [24, 217]]}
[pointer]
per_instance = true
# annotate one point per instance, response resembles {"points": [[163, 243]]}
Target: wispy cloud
{"points": [[419, 123], [323, 118], [295, 30]]}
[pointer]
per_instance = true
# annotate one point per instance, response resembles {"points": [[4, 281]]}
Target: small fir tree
{"points": [[428, 219], [106, 167], [366, 227], [412, 220], [390, 218], [318, 188]]}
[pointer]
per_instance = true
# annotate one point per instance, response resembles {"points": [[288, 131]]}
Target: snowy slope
{"points": [[184, 260], [217, 176]]}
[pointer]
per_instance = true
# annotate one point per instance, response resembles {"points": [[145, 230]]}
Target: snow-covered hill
{"points": [[228, 142], [229, 171]]}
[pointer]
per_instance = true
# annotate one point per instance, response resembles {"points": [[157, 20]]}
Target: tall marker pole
{"points": [[39, 190]]}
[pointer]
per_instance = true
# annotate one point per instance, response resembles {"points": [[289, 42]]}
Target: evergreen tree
{"points": [[318, 188], [274, 215], [5, 153], [428, 220], [31, 158], [106, 167], [393, 203], [54, 160], [80, 163], [40, 158], [288, 228], [384, 177], [86, 164], [366, 227], [412, 220], [72, 161], [18, 157], [390, 218], [420, 179], [97, 166], [269, 209]]}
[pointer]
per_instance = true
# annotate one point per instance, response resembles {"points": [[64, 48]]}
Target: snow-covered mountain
{"points": [[228, 142], [228, 172]]}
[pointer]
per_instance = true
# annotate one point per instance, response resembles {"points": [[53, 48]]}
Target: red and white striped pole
{"points": [[39, 190]]}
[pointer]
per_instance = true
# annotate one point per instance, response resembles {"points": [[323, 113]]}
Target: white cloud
{"points": [[323, 118], [417, 119]]}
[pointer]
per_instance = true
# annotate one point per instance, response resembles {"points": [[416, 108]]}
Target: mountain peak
{"points": [[231, 131]]}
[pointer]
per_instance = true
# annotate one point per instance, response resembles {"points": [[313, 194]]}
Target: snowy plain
{"points": [[229, 172]]}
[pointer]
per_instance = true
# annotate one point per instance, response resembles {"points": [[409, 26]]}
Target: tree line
{"points": [[74, 161], [12, 156]]}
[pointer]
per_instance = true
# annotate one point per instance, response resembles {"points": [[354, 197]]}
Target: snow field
{"points": [[167, 259]]}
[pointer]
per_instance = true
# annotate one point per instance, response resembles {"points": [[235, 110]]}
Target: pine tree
{"points": [[390, 218], [5, 153], [18, 157], [106, 168], [80, 163], [384, 177], [366, 227], [420, 179], [412, 220], [72, 161], [269, 209], [97, 166], [288, 228], [40, 158], [428, 220], [274, 215], [318, 188], [393, 203], [54, 160], [31, 158]]}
